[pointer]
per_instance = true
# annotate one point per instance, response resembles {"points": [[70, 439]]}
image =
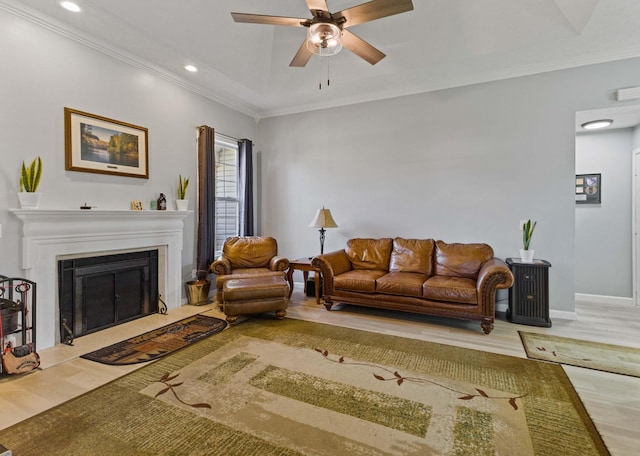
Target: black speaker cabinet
{"points": [[311, 287], [529, 296]]}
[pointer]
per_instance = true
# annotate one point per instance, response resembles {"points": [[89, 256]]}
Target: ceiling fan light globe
{"points": [[323, 39], [324, 50], [323, 31]]}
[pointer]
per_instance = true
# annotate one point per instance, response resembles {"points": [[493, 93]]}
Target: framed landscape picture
{"points": [[588, 188], [96, 144]]}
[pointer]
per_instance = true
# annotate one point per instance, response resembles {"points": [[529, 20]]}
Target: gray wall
{"points": [[603, 231], [462, 165], [42, 72]]}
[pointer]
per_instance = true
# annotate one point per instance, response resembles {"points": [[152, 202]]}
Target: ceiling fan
{"points": [[328, 31]]}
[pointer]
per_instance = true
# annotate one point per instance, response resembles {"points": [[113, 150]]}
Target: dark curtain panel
{"points": [[205, 248], [245, 156]]}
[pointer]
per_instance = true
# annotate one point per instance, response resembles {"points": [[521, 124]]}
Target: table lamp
{"points": [[322, 220]]}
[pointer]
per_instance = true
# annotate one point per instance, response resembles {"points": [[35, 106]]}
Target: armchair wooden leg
{"points": [[487, 325], [327, 304]]}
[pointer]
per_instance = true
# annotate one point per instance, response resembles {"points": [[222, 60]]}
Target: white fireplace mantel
{"points": [[49, 235]]}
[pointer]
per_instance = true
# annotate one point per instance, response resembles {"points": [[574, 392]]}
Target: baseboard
{"points": [[599, 299], [502, 306], [562, 315]]}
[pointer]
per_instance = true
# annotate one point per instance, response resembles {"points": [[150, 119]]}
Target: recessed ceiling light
{"points": [[70, 6], [190, 68], [595, 124]]}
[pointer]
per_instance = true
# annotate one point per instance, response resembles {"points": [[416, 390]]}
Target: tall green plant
{"points": [[30, 176], [183, 184], [527, 233]]}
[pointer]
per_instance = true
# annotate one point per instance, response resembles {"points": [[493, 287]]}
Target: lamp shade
{"points": [[323, 219]]}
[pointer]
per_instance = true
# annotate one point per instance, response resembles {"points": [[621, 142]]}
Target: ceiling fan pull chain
{"points": [[328, 71]]}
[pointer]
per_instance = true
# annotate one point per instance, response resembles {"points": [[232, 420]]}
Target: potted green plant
{"points": [[29, 181], [182, 203], [526, 254]]}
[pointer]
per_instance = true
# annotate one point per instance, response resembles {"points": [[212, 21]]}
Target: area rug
{"points": [[617, 359], [267, 387], [159, 342]]}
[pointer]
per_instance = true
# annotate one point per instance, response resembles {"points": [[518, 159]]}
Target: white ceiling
{"points": [[440, 44]]}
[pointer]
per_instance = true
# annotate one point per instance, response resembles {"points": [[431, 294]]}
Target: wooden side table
{"points": [[304, 265]]}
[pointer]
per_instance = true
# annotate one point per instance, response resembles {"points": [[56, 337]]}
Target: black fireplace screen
{"points": [[103, 291]]}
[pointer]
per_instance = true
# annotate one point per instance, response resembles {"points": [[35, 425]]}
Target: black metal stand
{"points": [[162, 307], [322, 231], [17, 315]]}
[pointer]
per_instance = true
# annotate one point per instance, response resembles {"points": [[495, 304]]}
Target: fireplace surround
{"points": [[53, 235]]}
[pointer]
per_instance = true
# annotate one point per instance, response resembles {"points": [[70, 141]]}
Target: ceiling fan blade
{"points": [[270, 20], [317, 5], [372, 10], [361, 48], [302, 56]]}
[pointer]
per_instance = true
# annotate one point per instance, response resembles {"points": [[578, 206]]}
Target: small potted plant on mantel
{"points": [[526, 254], [29, 181], [182, 203]]}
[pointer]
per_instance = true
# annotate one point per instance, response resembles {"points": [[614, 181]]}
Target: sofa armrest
{"points": [[222, 266], [493, 274], [279, 263], [330, 265]]}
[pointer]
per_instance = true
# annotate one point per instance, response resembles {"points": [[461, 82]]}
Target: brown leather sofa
{"points": [[247, 257], [416, 275]]}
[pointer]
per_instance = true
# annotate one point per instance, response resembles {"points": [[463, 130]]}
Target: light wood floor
{"points": [[613, 401]]}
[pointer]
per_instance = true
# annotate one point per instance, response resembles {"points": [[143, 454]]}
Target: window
{"points": [[227, 213]]}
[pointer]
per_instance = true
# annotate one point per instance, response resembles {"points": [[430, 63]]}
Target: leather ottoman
{"points": [[255, 295]]}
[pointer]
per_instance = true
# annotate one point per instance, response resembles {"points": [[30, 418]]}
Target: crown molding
{"points": [[122, 55], [244, 104]]}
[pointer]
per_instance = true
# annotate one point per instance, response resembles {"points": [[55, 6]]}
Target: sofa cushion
{"points": [[369, 253], [250, 252], [412, 255], [450, 289], [461, 260], [363, 280], [401, 283]]}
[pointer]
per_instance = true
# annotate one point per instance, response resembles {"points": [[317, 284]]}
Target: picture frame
{"points": [[97, 144], [588, 188]]}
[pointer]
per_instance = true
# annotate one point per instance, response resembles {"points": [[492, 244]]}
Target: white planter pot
{"points": [[29, 200], [526, 256], [182, 205]]}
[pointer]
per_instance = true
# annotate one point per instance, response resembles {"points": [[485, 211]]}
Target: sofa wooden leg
{"points": [[487, 325], [231, 319], [280, 314], [328, 304]]}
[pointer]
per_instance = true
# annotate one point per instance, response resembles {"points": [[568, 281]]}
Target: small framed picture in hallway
{"points": [[588, 188]]}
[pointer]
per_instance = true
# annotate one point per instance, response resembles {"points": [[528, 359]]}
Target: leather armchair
{"points": [[245, 257]]}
